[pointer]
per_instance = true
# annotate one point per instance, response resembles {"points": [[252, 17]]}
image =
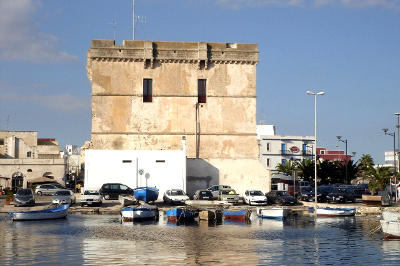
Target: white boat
{"points": [[272, 213], [46, 214], [141, 212], [335, 212], [390, 225]]}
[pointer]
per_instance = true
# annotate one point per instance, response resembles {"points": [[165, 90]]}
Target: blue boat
{"points": [[58, 212], [146, 194], [180, 214]]}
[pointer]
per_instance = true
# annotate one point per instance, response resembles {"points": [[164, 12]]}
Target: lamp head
{"points": [[397, 114], [321, 93], [310, 93], [385, 130], [338, 137]]}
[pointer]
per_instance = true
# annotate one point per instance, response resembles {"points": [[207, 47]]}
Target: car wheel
{"points": [[39, 193], [82, 204], [107, 197]]}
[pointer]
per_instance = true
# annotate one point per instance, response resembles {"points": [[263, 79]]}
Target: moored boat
{"points": [[237, 215], [180, 214], [272, 213], [58, 212], [335, 212], [146, 194], [141, 212], [390, 224]]}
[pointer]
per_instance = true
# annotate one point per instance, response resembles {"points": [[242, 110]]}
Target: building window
{"points": [[283, 148], [1, 141], [29, 154], [268, 162], [201, 90], [29, 170], [322, 152], [147, 90], [268, 146]]}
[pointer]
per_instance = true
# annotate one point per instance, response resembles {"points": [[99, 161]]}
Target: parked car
{"points": [[91, 197], [64, 196], [113, 190], [48, 189], [24, 197], [281, 197], [304, 193], [255, 197], [229, 195], [337, 195], [175, 196], [215, 189], [203, 195], [361, 189]]}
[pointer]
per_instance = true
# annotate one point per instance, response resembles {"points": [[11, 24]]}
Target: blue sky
{"points": [[347, 48]]}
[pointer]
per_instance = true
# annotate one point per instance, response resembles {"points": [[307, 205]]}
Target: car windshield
{"points": [[88, 192], [24, 192], [228, 192], [256, 193], [62, 193], [177, 193], [282, 193]]}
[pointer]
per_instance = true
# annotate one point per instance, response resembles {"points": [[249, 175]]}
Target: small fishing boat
{"points": [[237, 215], [146, 194], [141, 212], [58, 212], [335, 212], [272, 213], [390, 224], [180, 214]]}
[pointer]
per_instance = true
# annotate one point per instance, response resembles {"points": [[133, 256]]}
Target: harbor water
{"points": [[104, 240]]}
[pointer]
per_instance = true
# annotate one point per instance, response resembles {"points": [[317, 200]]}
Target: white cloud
{"points": [[62, 102], [387, 4], [20, 39]]}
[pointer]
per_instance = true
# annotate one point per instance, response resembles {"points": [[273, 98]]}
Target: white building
{"points": [[275, 149], [389, 160], [164, 169]]}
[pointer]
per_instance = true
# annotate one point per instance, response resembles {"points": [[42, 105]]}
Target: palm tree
{"points": [[286, 168], [379, 178], [365, 167], [352, 170], [306, 168]]}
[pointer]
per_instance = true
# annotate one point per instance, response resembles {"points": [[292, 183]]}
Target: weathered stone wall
{"points": [[224, 128]]}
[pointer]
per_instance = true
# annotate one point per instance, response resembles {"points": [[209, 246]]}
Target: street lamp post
{"points": [[315, 94], [398, 140], [339, 138], [393, 134]]}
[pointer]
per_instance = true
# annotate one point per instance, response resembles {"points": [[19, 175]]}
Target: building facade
{"points": [[24, 157], [275, 150], [332, 155], [150, 95]]}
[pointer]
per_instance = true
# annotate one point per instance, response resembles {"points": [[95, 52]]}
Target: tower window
{"points": [[202, 95], [147, 90]]}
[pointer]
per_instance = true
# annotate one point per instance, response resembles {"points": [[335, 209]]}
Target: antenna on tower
{"points": [[140, 19], [114, 29]]}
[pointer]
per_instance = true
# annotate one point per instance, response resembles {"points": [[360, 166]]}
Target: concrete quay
{"points": [[114, 206]]}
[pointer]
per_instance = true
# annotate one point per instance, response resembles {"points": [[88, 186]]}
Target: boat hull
{"points": [[139, 213], [146, 194], [272, 213], [335, 212], [180, 214], [240, 216], [48, 214], [391, 229]]}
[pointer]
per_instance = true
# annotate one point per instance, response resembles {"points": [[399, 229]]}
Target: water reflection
{"points": [[102, 239]]}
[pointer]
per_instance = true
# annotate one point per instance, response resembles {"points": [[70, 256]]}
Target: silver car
{"points": [[24, 197], [64, 197], [48, 189]]}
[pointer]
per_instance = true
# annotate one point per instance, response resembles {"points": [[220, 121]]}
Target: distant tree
{"points": [[306, 169], [286, 168], [365, 167], [352, 170], [328, 172], [379, 178]]}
